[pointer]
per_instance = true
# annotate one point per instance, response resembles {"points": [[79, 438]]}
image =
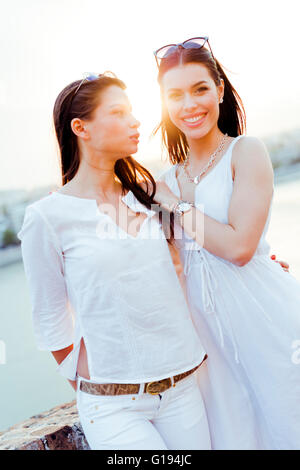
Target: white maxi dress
{"points": [[248, 318]]}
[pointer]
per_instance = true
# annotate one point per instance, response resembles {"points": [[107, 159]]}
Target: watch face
{"points": [[184, 206]]}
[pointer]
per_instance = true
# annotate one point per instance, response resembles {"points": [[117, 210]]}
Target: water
{"points": [[29, 383], [284, 229]]}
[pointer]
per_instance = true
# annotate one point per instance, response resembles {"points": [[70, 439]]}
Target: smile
{"points": [[194, 120]]}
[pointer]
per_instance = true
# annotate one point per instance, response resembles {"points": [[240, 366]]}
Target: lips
{"points": [[194, 120], [135, 137]]}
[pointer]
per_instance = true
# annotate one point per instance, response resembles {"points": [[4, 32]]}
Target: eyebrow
{"points": [[122, 105], [193, 86]]}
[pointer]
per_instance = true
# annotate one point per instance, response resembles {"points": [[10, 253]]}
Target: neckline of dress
{"points": [[135, 206], [85, 198], [212, 170]]}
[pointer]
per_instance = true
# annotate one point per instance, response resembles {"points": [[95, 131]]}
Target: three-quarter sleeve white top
{"points": [[90, 279]]}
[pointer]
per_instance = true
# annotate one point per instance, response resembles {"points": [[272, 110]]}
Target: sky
{"points": [[46, 44]]}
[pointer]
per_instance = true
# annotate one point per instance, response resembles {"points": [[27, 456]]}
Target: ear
{"points": [[221, 89], [79, 128]]}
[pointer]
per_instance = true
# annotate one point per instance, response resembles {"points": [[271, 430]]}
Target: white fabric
{"points": [[175, 419], [88, 278], [248, 319]]}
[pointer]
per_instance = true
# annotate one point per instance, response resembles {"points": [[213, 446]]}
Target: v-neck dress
{"points": [[90, 279], [248, 318]]}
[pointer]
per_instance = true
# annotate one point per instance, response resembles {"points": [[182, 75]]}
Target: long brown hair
{"points": [[232, 117], [81, 104]]}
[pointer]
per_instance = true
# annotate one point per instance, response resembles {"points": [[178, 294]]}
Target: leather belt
{"points": [[123, 389]]}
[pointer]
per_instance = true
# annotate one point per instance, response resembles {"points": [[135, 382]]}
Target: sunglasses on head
{"points": [[94, 76], [193, 43]]}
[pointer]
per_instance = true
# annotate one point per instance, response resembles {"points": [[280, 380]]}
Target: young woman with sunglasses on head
{"points": [[98, 256], [220, 188]]}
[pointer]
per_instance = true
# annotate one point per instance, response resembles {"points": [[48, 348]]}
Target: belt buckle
{"points": [[158, 386]]}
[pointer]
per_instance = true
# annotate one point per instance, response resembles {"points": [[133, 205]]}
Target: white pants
{"points": [[175, 419]]}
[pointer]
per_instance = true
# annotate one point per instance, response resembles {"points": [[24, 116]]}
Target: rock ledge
{"points": [[56, 429]]}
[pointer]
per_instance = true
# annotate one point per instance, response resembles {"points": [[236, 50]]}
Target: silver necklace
{"points": [[196, 179]]}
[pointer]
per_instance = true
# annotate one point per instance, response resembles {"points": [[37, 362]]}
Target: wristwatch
{"points": [[182, 207]]}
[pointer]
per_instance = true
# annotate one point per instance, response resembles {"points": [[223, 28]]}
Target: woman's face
{"points": [[113, 129], [192, 99]]}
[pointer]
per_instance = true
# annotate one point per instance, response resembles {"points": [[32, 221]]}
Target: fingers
{"points": [[285, 266]]}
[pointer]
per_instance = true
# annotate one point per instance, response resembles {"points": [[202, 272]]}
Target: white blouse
{"points": [[90, 279]]}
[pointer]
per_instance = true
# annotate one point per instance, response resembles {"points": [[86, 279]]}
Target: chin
{"points": [[133, 149], [199, 133], [196, 133], [126, 151]]}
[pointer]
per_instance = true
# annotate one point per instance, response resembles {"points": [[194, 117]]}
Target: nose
{"points": [[189, 102], [135, 123]]}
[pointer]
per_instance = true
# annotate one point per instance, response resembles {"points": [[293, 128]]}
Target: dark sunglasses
{"points": [[94, 76], [193, 43]]}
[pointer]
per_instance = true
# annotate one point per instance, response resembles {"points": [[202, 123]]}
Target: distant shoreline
{"points": [[287, 173], [9, 255], [12, 254]]}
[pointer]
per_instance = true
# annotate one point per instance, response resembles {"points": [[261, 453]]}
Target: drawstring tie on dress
{"points": [[196, 256]]}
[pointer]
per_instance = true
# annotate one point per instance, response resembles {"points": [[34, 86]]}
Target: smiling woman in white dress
{"points": [[106, 300], [246, 307]]}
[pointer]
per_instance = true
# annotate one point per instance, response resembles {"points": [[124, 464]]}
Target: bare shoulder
{"points": [[251, 152]]}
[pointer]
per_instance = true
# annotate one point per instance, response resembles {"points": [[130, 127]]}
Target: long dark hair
{"points": [[81, 104], [232, 117]]}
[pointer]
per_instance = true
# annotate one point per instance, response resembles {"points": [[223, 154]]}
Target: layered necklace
{"points": [[196, 179]]}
